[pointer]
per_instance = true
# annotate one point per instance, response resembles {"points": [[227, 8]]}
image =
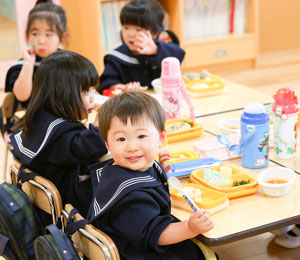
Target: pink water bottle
{"points": [[285, 109], [173, 89]]}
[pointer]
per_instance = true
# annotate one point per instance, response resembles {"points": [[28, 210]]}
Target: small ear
{"points": [[162, 138], [65, 37], [107, 146]]}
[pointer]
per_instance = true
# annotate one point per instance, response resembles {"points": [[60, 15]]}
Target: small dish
{"points": [[229, 126], [284, 177], [156, 84]]}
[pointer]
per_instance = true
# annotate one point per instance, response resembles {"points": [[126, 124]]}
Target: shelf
{"points": [[218, 50], [84, 24]]}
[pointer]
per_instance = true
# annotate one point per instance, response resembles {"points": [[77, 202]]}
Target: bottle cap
{"points": [[170, 71], [255, 114], [286, 99]]}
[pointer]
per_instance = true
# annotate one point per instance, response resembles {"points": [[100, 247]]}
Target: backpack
{"points": [[55, 246], [18, 224]]}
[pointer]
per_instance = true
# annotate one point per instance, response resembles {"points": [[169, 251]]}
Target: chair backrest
{"points": [[42, 192], [92, 242], [8, 106]]}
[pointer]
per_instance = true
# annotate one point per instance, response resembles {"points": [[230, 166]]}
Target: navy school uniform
{"points": [[133, 208], [11, 77], [61, 150], [122, 66]]}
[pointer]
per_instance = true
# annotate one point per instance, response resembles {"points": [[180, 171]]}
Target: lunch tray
{"points": [[213, 201], [185, 168], [182, 156], [199, 87], [195, 130], [197, 177]]}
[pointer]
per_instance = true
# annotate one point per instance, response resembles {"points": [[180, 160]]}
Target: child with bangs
{"points": [[53, 140], [138, 60], [45, 33]]}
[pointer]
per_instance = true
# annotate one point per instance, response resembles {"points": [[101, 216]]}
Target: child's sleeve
{"points": [[111, 74], [140, 217], [164, 50], [79, 146], [11, 77]]}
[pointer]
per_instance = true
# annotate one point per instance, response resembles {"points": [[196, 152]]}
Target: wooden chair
{"points": [[42, 192], [92, 242], [8, 112]]}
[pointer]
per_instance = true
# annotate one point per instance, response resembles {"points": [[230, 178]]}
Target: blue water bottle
{"points": [[254, 143]]}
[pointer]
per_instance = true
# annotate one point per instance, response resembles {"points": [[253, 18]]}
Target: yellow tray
{"points": [[183, 156], [195, 130], [232, 192], [212, 200], [198, 87]]}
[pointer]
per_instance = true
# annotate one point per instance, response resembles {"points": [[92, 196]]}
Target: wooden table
{"points": [[250, 215], [235, 97]]}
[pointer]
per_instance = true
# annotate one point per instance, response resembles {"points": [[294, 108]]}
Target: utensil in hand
{"points": [[175, 183]]}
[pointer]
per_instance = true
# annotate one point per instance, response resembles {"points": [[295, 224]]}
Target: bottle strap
{"points": [[223, 139], [186, 97], [245, 138]]}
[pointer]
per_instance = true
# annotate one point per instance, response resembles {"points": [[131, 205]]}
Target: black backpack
{"points": [[19, 225], [55, 246]]}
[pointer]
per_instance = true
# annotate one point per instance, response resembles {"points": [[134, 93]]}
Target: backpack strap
{"points": [[60, 242], [3, 243], [73, 226], [24, 177]]}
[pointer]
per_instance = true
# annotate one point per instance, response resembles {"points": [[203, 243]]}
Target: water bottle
{"points": [[285, 109], [173, 89], [254, 142]]}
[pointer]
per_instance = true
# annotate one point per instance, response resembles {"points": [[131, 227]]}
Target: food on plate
{"points": [[194, 193]]}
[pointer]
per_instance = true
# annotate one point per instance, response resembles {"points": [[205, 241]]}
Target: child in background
{"points": [[53, 141], [45, 32], [132, 203], [138, 60]]}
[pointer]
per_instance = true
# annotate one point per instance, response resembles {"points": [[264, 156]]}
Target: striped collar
{"points": [[124, 57], [30, 153]]}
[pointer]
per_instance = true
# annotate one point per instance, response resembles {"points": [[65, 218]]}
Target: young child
{"points": [[45, 32], [132, 202], [53, 141], [138, 60]]}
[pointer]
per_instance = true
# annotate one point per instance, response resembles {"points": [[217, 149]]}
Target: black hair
{"points": [[53, 14], [148, 14], [60, 79], [132, 105]]}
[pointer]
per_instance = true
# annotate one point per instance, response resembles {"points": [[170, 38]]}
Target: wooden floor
{"points": [[273, 71]]}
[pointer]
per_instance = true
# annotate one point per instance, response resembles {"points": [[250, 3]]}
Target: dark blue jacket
{"points": [[133, 208], [60, 151], [122, 66]]}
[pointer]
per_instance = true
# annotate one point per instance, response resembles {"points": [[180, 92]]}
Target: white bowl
{"points": [[229, 126], [278, 173], [156, 83]]}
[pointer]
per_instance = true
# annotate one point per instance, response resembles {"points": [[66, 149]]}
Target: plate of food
{"points": [[181, 129], [229, 179], [205, 198]]}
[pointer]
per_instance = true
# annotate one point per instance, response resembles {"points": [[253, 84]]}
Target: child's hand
{"points": [[145, 44], [28, 55], [200, 222], [133, 86], [165, 156]]}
